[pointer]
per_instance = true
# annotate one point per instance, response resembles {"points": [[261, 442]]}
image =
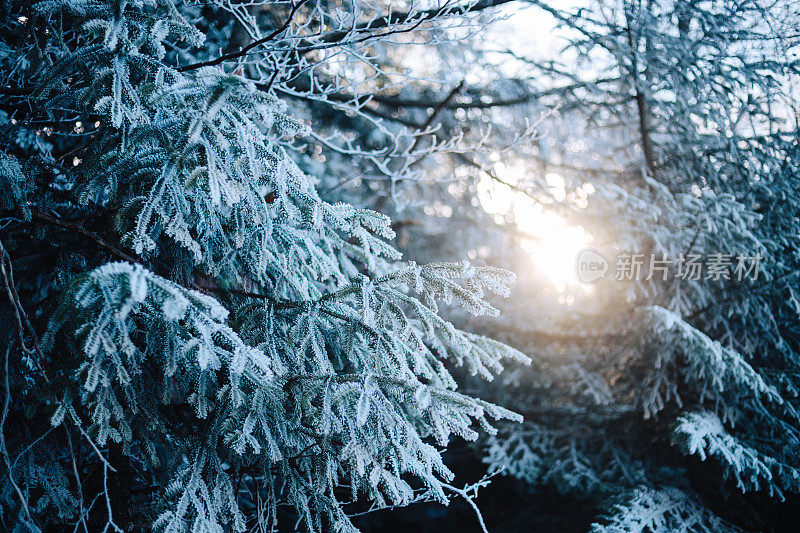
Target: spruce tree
{"points": [[671, 400], [193, 338]]}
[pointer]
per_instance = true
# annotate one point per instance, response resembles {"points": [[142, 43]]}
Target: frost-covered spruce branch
{"points": [[321, 364]]}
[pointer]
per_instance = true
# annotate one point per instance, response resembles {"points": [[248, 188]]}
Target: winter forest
{"points": [[399, 265]]}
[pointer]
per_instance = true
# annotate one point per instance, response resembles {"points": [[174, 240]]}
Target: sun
{"points": [[554, 248], [552, 243]]}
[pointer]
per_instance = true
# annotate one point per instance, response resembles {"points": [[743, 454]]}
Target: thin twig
{"points": [[110, 521], [438, 109], [3, 448], [471, 502], [78, 483], [246, 49]]}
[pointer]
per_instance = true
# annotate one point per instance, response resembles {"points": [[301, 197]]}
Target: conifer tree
{"points": [[671, 400], [193, 338]]}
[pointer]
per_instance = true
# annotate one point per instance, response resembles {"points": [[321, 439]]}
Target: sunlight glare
{"points": [[551, 242], [554, 249]]}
